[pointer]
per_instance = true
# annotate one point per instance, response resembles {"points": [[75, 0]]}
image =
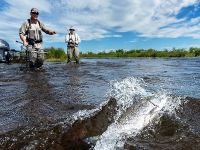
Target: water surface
{"points": [[141, 103]]}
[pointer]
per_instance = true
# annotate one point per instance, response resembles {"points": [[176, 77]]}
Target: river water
{"points": [[102, 104]]}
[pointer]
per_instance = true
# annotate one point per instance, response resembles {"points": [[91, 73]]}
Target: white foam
{"points": [[82, 114], [125, 93]]}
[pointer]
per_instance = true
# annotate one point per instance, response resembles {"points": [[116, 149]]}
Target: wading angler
{"points": [[72, 39], [31, 35]]}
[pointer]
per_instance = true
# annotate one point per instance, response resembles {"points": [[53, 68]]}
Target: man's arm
{"points": [[22, 32], [67, 38], [46, 30], [23, 38], [78, 40]]}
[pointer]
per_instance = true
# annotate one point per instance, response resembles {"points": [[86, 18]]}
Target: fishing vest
{"points": [[34, 33], [72, 42]]}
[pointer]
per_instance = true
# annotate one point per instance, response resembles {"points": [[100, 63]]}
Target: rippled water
{"points": [[137, 103]]}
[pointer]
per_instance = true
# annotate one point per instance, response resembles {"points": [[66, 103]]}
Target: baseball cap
{"points": [[34, 10]]}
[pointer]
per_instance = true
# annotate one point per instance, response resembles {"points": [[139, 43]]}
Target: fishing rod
{"points": [[25, 48], [19, 42], [152, 103], [40, 50], [149, 100]]}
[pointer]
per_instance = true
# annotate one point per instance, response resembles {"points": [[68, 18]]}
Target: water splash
{"points": [[127, 92], [143, 107]]}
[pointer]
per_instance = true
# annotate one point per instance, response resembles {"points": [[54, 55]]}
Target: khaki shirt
{"points": [[37, 27], [24, 28]]}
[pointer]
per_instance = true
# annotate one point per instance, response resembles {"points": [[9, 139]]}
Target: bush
{"points": [[53, 53]]}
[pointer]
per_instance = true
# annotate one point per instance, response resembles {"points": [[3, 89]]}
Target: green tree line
{"points": [[58, 54], [192, 52]]}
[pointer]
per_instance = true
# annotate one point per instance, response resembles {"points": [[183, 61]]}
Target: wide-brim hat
{"points": [[72, 28]]}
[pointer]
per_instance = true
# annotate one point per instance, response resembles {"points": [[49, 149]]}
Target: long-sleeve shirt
{"points": [[72, 38], [25, 26]]}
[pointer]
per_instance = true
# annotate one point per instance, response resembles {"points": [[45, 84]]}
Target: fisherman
{"points": [[72, 39], [31, 35]]}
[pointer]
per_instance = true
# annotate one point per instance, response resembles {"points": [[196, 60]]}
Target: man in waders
{"points": [[31, 35], [72, 39]]}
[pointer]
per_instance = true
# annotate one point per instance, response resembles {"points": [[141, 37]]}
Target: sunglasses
{"points": [[35, 13]]}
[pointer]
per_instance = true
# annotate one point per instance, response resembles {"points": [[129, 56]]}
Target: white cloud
{"points": [[134, 41], [99, 19]]}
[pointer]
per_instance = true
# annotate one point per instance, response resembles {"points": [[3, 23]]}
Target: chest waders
{"points": [[24, 57], [34, 55]]}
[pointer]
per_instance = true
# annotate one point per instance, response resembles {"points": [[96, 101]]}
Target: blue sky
{"points": [[105, 25]]}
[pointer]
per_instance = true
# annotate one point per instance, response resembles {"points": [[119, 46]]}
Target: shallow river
{"points": [[102, 104]]}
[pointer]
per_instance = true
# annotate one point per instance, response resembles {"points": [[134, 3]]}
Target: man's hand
{"points": [[52, 32], [25, 43], [23, 38]]}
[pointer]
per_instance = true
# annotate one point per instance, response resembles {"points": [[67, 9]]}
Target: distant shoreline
{"points": [[59, 55], [61, 60], [192, 52]]}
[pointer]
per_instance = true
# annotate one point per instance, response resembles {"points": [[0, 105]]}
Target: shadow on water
{"points": [[61, 136], [40, 98], [45, 109]]}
